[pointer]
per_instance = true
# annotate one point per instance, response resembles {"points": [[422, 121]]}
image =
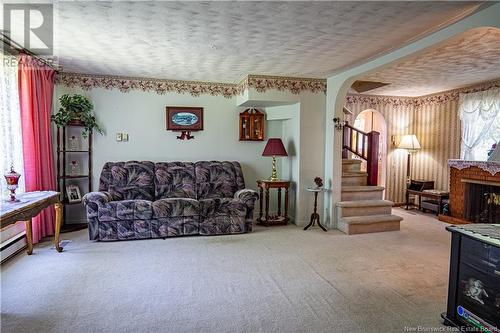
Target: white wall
{"points": [[296, 118], [289, 115], [142, 116], [303, 117]]}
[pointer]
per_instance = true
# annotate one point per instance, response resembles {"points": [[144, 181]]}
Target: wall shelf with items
{"points": [[252, 125], [73, 153]]}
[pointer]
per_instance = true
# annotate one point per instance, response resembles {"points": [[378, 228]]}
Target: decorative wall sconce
{"points": [[185, 135], [338, 123]]}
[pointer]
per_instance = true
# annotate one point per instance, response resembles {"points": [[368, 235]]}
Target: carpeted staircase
{"points": [[361, 209]]}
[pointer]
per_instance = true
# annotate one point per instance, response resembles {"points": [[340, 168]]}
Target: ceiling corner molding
{"points": [[295, 85], [159, 86], [437, 98]]}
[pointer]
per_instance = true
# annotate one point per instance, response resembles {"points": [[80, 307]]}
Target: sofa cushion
{"points": [[174, 207], [222, 206], [216, 190], [175, 180], [124, 229], [175, 226], [132, 180], [125, 210], [222, 225], [216, 179]]}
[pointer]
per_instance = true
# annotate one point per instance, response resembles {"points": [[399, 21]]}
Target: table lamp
{"points": [[274, 147], [411, 144]]}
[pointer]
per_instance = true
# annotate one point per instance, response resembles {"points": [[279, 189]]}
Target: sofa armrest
{"points": [[99, 198], [247, 196]]}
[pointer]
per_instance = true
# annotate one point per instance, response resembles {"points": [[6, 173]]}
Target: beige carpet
{"points": [[279, 279]]}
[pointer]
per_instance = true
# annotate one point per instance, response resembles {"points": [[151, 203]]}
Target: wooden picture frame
{"points": [[73, 194], [184, 118]]}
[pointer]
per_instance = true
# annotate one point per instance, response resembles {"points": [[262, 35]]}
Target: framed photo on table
{"points": [[73, 194]]}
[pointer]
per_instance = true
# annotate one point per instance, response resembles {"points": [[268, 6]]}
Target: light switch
{"points": [[119, 137], [125, 137]]}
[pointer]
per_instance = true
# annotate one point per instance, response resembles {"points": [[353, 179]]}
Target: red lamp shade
{"points": [[274, 147]]}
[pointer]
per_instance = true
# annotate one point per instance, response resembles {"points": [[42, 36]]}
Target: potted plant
{"points": [[319, 182], [76, 110]]}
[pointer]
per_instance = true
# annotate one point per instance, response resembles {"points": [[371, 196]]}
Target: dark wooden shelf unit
{"points": [[72, 151], [73, 227], [73, 177], [62, 176], [252, 125], [66, 202]]}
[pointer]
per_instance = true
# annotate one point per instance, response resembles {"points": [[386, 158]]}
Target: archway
{"points": [[372, 120], [338, 85]]}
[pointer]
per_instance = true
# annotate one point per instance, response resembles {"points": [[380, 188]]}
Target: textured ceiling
{"points": [[470, 58], [224, 41]]}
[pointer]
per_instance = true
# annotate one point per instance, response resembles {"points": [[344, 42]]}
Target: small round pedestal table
{"points": [[315, 215]]}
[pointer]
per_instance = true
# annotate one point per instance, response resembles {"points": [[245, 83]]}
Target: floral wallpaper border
{"points": [[295, 85], [374, 100], [125, 84], [438, 98], [261, 83]]}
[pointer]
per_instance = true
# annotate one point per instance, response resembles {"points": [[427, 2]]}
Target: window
{"points": [[480, 115], [11, 153], [480, 152]]}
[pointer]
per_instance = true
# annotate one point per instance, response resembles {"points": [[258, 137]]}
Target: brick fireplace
{"points": [[467, 178]]}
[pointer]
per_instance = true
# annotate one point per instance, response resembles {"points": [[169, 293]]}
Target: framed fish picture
{"points": [[184, 118]]}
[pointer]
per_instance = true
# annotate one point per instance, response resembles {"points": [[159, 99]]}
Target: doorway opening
{"points": [[372, 120]]}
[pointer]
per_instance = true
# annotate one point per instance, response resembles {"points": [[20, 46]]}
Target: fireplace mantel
{"points": [[465, 172], [492, 167]]}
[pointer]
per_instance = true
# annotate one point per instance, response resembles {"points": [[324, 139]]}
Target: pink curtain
{"points": [[36, 85]]}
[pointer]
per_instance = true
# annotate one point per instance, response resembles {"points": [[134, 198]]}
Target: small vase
{"points": [[12, 179], [74, 143]]}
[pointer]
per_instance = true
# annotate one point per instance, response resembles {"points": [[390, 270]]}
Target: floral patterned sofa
{"points": [[149, 200]]}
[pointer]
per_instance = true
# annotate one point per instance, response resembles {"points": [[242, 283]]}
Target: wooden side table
{"points": [[279, 219], [415, 187], [435, 203]]}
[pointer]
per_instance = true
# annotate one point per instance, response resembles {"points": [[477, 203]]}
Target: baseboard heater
{"points": [[12, 246]]}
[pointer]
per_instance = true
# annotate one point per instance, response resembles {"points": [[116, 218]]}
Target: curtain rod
{"points": [[13, 44]]}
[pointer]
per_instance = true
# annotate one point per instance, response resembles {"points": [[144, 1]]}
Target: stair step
{"points": [[364, 207], [351, 165], [371, 219], [354, 178], [356, 193], [354, 174], [368, 224], [365, 203], [351, 161], [364, 188]]}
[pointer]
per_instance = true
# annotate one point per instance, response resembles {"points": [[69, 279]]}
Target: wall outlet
{"points": [[119, 137]]}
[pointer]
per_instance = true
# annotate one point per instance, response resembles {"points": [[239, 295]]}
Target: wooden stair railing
{"points": [[364, 145]]}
